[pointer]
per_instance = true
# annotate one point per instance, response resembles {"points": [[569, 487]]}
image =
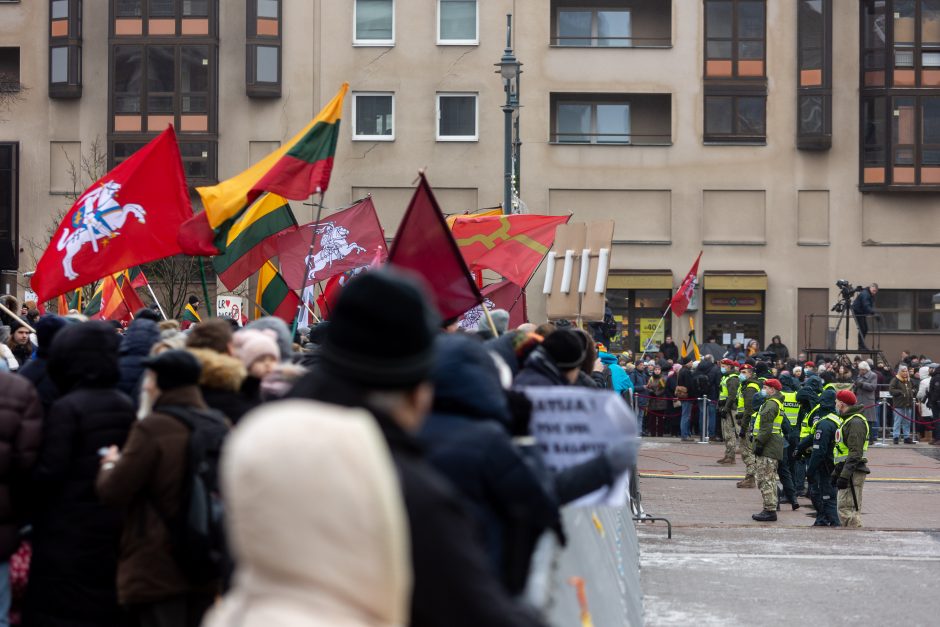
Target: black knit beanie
{"points": [[566, 348], [381, 332], [174, 369]]}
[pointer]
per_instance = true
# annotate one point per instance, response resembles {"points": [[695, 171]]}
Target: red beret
{"points": [[809, 364], [728, 362], [773, 383], [746, 366], [846, 396]]}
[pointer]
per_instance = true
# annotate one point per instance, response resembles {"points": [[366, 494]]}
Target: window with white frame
{"points": [[592, 122], [457, 22], [374, 22], [373, 116], [457, 117], [607, 27]]}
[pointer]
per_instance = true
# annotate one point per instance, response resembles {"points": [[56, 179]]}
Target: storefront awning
{"points": [[640, 280], [735, 280]]}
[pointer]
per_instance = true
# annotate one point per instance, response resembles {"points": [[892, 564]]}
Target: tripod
{"points": [[843, 307]]}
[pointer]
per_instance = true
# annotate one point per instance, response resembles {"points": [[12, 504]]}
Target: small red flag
{"points": [[346, 240], [425, 245], [680, 302], [513, 245], [129, 216], [119, 300]]}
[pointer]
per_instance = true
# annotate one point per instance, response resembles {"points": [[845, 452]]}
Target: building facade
{"points": [[795, 142]]}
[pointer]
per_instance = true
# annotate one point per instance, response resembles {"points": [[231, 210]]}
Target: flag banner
{"points": [[129, 216], [299, 168], [71, 300], [274, 296], [196, 238], [451, 219], [93, 307], [503, 295], [572, 425], [346, 240], [424, 244], [190, 315], [242, 240], [119, 300], [512, 246], [680, 301], [137, 277]]}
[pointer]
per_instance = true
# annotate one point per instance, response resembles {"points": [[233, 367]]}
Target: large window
{"points": [[9, 69], [900, 101], [65, 48], [156, 81], [9, 196], [458, 22], [592, 122], [263, 63], [374, 22], [735, 104], [907, 310], [637, 313], [814, 100], [601, 27], [373, 116], [457, 117]]}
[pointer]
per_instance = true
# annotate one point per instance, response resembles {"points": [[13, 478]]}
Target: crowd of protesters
{"points": [[369, 468], [666, 389]]}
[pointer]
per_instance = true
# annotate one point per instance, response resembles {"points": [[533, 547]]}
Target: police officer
{"points": [[768, 448], [826, 405], [851, 465], [746, 409], [728, 405], [791, 437], [821, 465]]}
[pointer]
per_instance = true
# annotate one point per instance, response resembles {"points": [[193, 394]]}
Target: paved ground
{"points": [[722, 568]]}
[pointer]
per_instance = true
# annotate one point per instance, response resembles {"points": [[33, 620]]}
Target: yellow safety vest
{"points": [[809, 425], [723, 387], [791, 408], [778, 419], [741, 392], [840, 452]]}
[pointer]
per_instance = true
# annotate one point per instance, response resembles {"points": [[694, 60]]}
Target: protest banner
{"points": [[573, 425], [228, 306]]}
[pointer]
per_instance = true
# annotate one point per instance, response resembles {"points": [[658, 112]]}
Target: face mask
{"points": [[724, 371]]}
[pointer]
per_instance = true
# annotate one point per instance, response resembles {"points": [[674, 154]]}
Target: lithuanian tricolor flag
{"points": [[296, 170], [190, 314], [69, 301], [93, 308], [273, 295], [241, 239]]}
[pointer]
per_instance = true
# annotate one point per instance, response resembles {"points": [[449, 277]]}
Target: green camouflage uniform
{"points": [[769, 450], [729, 431], [744, 419]]}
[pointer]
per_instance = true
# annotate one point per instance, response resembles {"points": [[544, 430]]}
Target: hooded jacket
{"points": [[713, 372], [221, 382], [467, 440], [37, 369], [75, 537], [140, 337], [621, 382], [539, 369], [321, 536]]}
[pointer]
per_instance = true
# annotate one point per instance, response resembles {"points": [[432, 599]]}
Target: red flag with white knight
{"points": [[680, 302], [346, 240], [129, 216]]}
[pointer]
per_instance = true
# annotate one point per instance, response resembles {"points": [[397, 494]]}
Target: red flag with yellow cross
{"points": [[512, 245]]}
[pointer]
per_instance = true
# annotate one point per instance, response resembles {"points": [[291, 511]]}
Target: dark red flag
{"points": [[425, 245], [503, 295], [346, 240], [129, 216], [680, 302], [196, 237]]}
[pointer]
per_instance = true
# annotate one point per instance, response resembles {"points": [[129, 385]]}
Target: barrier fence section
{"points": [[597, 574]]}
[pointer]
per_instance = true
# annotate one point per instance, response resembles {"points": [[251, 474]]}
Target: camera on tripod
{"points": [[846, 291]]}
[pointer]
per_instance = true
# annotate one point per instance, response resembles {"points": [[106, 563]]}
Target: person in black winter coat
{"points": [[72, 579], [453, 584], [139, 338], [467, 440], [669, 350], [37, 369]]}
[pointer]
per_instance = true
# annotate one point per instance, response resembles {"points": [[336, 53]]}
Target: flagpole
{"points": [[154, 296], [205, 288], [658, 324], [16, 317], [313, 245], [489, 318]]}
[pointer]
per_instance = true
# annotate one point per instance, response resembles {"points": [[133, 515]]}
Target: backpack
{"points": [[197, 534], [701, 384]]}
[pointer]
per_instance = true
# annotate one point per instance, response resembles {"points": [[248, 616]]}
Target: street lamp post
{"points": [[509, 70]]}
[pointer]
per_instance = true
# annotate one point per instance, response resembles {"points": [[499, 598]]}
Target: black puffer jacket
{"points": [[20, 425], [37, 369], [467, 440], [75, 539], [140, 337]]}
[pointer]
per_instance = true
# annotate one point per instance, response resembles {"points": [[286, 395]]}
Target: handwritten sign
{"points": [[227, 306], [573, 425]]}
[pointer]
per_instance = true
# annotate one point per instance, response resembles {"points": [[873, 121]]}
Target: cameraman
{"points": [[862, 307]]}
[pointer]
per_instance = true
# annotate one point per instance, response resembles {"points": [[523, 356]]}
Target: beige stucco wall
{"points": [[675, 186]]}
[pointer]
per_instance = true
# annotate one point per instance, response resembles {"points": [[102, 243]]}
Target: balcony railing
{"points": [[611, 139], [611, 42]]}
